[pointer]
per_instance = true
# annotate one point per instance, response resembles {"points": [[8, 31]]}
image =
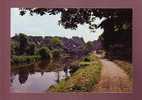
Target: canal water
{"points": [[28, 79]]}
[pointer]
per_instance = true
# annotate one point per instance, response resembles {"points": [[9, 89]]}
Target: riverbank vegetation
{"points": [[24, 59], [26, 51], [30, 49], [74, 56], [83, 79]]}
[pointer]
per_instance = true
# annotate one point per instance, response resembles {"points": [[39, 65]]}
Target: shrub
{"points": [[56, 42], [23, 59], [44, 53], [56, 54], [83, 80]]}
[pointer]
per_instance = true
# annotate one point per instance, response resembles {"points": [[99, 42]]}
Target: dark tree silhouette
{"points": [[31, 49], [23, 75], [23, 43], [44, 53], [56, 54], [117, 36]]}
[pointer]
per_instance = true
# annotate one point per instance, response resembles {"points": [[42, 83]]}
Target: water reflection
{"points": [[36, 77], [23, 75], [43, 64]]}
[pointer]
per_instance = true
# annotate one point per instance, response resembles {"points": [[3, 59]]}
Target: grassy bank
{"points": [[83, 79], [23, 60], [127, 67]]}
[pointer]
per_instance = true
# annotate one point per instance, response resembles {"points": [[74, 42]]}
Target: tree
{"points": [[56, 54], [44, 53], [31, 49], [89, 46], [56, 42], [117, 26], [23, 43], [13, 46]]}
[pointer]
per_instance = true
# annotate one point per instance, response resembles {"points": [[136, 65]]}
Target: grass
{"points": [[16, 60], [83, 79], [127, 67]]}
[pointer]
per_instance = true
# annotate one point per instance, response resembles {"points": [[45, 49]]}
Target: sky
{"points": [[47, 25]]}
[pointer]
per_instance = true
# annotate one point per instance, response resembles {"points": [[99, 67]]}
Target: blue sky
{"points": [[47, 25]]}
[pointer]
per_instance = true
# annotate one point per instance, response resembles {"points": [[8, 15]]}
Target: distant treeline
{"points": [[32, 48]]}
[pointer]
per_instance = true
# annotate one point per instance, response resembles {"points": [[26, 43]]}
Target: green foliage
{"points": [[44, 53], [24, 59], [89, 46], [56, 54], [23, 43], [83, 79], [56, 42], [71, 17], [117, 25], [31, 49], [13, 46]]}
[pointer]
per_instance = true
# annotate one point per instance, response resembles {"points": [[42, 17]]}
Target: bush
{"points": [[44, 53], [83, 80], [55, 41], [23, 59], [56, 54]]}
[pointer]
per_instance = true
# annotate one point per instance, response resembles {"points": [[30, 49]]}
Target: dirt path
{"points": [[113, 79]]}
